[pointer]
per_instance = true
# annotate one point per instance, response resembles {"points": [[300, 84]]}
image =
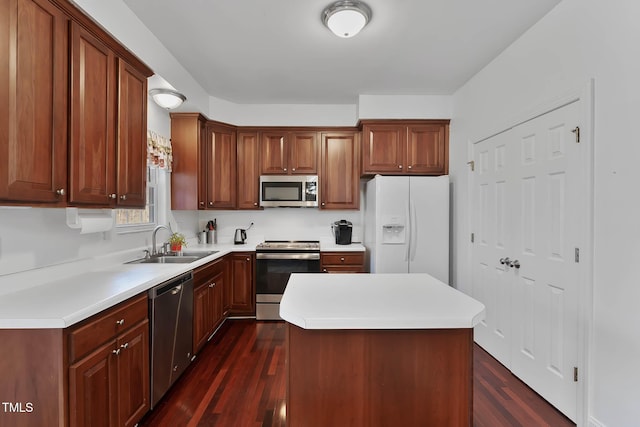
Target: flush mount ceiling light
{"points": [[167, 98], [345, 18]]}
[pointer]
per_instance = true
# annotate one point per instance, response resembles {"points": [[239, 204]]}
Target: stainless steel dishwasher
{"points": [[171, 314]]}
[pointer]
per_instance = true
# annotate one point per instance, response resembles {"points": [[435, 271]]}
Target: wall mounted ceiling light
{"points": [[345, 18], [167, 98]]}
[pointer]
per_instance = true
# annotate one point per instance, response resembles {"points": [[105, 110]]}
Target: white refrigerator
{"points": [[406, 225]]}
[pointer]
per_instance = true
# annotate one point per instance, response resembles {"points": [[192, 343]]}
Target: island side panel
{"points": [[32, 378], [379, 378]]}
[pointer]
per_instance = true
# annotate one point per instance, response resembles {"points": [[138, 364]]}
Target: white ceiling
{"points": [[278, 51]]}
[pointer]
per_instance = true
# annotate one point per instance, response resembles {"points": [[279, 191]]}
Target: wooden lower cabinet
{"points": [[210, 282], [342, 262], [109, 367], [243, 290]]}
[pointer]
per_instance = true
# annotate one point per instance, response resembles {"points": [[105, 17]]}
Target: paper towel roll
{"points": [[95, 224]]}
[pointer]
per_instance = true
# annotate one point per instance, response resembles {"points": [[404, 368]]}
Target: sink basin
{"points": [[183, 258]]}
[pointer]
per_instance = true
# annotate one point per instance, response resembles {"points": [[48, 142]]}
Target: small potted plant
{"points": [[177, 241]]}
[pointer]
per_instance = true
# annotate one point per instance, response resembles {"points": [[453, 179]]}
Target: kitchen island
{"points": [[378, 350]]}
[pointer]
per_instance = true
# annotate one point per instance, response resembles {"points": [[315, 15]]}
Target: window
{"points": [[131, 220]]}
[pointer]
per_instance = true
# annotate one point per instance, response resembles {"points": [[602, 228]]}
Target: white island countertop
{"points": [[377, 301]]}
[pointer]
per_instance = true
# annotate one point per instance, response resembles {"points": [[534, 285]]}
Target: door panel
{"points": [[527, 196]]}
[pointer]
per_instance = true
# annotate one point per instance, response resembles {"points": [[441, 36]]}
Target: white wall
{"points": [[578, 40]]}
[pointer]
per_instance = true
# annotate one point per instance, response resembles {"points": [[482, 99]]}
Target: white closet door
{"points": [[492, 226], [526, 200], [545, 292]]}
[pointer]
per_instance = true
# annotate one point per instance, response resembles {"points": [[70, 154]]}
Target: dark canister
{"points": [[342, 231]]}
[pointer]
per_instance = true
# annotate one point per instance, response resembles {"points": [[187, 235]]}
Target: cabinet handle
{"points": [[212, 284], [409, 167], [60, 192], [324, 270], [120, 322], [123, 197], [322, 203], [342, 259], [399, 166], [124, 346], [116, 352], [201, 203], [112, 196], [255, 203], [292, 169], [284, 169], [210, 203]]}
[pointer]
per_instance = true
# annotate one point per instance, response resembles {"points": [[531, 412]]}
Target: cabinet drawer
{"points": [[203, 274], [106, 325], [343, 269], [343, 258]]}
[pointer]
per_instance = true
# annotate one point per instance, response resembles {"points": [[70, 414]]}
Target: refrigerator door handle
{"points": [[409, 233], [414, 232]]}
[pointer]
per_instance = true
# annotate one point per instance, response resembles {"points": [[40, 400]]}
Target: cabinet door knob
{"points": [[342, 259], [210, 203], [255, 203], [112, 196], [212, 284], [60, 192], [284, 169], [116, 352], [322, 203], [201, 203], [124, 346], [248, 259], [324, 270], [293, 169], [409, 167], [399, 166], [123, 197], [120, 322]]}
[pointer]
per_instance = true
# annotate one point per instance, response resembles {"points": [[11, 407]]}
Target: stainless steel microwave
{"points": [[289, 191]]}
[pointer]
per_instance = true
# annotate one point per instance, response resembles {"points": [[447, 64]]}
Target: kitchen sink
{"points": [[182, 258]]}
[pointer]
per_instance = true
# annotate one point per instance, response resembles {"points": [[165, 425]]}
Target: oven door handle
{"points": [[284, 255]]}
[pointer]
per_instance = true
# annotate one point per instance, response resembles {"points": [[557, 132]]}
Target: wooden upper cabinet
{"points": [[383, 148], [427, 150], [131, 136], [340, 175], [303, 153], [273, 153], [92, 147], [405, 147], [248, 169], [33, 111], [286, 153], [221, 167], [188, 142]]}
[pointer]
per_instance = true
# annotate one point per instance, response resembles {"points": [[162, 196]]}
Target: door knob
{"points": [[515, 263], [504, 261]]}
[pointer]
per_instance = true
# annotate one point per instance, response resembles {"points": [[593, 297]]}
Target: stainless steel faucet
{"points": [[154, 251]]}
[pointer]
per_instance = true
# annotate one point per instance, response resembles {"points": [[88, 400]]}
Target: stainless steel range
{"points": [[275, 261]]}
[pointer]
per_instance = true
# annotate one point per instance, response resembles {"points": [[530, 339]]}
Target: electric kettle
{"points": [[342, 232], [240, 236]]}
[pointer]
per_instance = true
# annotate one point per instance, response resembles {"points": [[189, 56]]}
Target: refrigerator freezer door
{"points": [[430, 226], [392, 206]]}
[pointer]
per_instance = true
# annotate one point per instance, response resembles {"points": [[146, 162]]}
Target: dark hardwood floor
{"points": [[238, 380]]}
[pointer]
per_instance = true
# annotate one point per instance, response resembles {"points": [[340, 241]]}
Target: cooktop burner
{"points": [[299, 245]]}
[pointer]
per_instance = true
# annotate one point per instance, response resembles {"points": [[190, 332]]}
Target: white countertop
{"points": [[60, 296], [376, 301], [331, 246]]}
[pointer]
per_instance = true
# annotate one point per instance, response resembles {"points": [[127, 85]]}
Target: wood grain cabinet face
{"points": [[92, 146], [209, 283], [342, 262], [221, 168], [248, 169], [33, 111], [417, 147], [288, 153], [243, 284], [109, 383], [339, 175], [131, 137]]}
